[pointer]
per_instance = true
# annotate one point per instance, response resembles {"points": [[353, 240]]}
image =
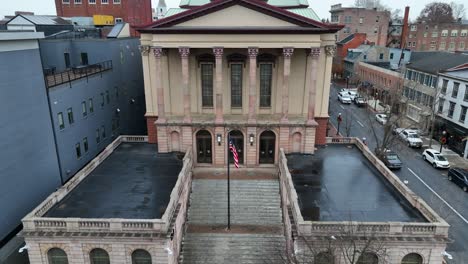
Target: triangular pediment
{"points": [[237, 16]]}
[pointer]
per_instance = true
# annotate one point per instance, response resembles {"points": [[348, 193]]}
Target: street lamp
{"points": [[338, 119], [218, 139], [347, 81], [251, 139], [375, 100], [443, 140]]}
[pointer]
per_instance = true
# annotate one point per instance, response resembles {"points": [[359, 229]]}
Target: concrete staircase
{"points": [[256, 234]]}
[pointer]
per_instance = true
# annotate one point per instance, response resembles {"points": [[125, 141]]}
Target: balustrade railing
{"points": [[82, 71]]}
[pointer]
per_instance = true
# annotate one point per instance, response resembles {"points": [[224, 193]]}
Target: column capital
{"points": [[330, 50], [144, 49], [253, 52], [314, 53], [157, 51], [184, 52], [218, 52], [288, 52]]}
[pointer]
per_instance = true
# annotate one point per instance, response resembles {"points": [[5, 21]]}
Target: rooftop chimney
{"points": [[405, 28]]}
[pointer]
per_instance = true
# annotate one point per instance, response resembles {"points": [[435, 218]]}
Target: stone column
{"points": [[218, 52], [184, 55], [158, 52], [287, 53], [313, 55], [253, 52]]}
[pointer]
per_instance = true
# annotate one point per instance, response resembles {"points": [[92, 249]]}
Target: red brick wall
{"points": [[342, 51], [152, 132], [321, 132], [420, 37], [134, 12]]}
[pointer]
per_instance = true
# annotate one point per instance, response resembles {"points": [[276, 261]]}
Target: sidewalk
{"points": [[454, 159], [371, 104]]}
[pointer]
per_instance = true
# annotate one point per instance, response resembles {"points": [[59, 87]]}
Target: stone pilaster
{"points": [[287, 54], [187, 138], [218, 52], [253, 52], [284, 138], [309, 140], [313, 56], [158, 53], [163, 139], [184, 55]]}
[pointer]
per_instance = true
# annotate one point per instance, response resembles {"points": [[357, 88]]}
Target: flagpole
{"points": [[228, 185]]}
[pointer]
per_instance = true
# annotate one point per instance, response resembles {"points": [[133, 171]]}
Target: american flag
{"points": [[232, 148]]}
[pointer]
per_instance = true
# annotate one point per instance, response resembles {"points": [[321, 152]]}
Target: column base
{"points": [[311, 122], [284, 120], [160, 121]]}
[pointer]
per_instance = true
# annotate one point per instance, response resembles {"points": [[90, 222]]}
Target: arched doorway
{"points": [[175, 141], [237, 139], [412, 258], [204, 153], [267, 147], [296, 142]]}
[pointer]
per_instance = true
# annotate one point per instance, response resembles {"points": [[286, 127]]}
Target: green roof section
{"points": [[305, 12], [173, 11], [278, 3]]}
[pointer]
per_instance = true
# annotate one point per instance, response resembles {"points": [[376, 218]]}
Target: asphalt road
{"points": [[446, 198]]}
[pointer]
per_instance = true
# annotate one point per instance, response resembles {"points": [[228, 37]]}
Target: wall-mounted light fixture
{"points": [[218, 139], [251, 139]]}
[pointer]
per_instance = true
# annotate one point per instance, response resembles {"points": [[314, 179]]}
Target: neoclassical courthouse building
{"points": [[259, 71]]}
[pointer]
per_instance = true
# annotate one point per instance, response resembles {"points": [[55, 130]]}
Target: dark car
{"points": [[359, 101], [391, 160], [459, 176]]}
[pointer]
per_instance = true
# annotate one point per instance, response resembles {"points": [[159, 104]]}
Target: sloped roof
{"points": [[435, 61], [305, 12], [306, 25], [173, 11], [44, 20], [279, 3], [345, 40]]}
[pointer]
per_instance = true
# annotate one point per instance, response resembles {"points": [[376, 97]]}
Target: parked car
{"points": [[353, 95], [391, 160], [359, 101], [460, 177], [344, 98], [381, 118], [435, 158], [409, 136]]}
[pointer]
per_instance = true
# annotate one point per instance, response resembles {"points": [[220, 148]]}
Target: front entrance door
{"points": [[238, 140], [204, 153], [267, 147]]}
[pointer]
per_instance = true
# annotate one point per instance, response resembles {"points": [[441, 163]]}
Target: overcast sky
{"points": [[47, 7]]}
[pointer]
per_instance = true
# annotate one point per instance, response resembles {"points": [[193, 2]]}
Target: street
{"points": [[432, 185]]}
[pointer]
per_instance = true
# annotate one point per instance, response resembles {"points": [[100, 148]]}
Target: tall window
{"points": [[66, 56], [66, 1], [84, 109], [78, 150], [102, 99], [77, 2], [451, 109], [60, 120], [236, 85], [99, 256], [444, 86], [463, 114], [381, 56], [107, 97], [207, 84], [440, 109], [266, 72], [90, 105], [103, 131], [57, 256], [85, 144], [92, 2], [391, 56], [98, 136], [70, 116], [141, 256], [455, 89], [465, 98], [117, 2], [104, 1]]}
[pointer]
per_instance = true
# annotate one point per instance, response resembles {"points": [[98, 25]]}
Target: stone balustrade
{"points": [[435, 227], [35, 222]]}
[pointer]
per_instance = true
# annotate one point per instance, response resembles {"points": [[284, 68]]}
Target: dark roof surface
{"points": [[339, 184], [434, 61], [134, 182], [345, 40]]}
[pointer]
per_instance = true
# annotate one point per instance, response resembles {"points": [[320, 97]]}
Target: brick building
{"points": [[372, 22], [430, 37], [351, 42], [134, 12]]}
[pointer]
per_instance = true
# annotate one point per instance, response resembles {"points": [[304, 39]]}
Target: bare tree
{"points": [[436, 12], [458, 10], [396, 14], [370, 4]]}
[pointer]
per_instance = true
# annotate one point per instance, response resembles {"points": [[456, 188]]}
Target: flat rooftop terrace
{"points": [[134, 182], [338, 183]]}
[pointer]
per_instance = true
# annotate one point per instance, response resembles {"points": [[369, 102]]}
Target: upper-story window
{"points": [[77, 2], [236, 85], [465, 98], [463, 33], [92, 2], [440, 109], [61, 123], [335, 18], [116, 2], [381, 56], [462, 114], [104, 1], [347, 19], [70, 116], [435, 34], [444, 33], [266, 74], [207, 84], [361, 20], [391, 56], [414, 27], [377, 19], [456, 85], [84, 108], [444, 86], [118, 20], [454, 33], [451, 109], [67, 2], [376, 29]]}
